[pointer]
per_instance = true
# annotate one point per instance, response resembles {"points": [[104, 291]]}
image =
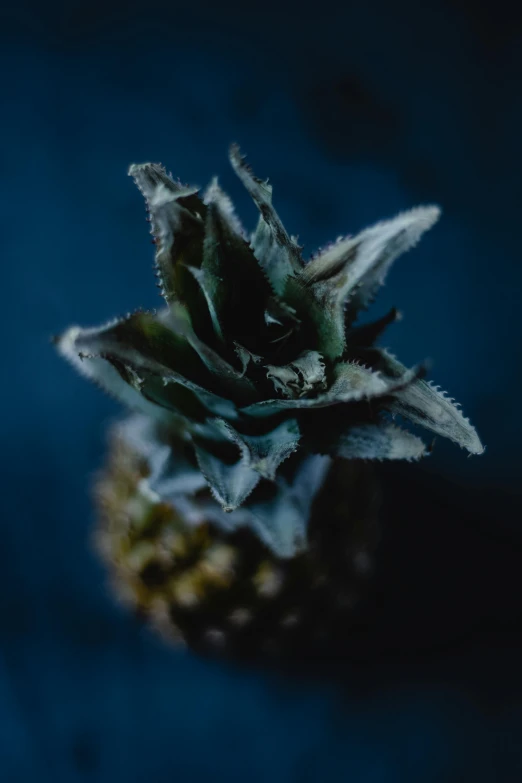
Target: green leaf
{"points": [[145, 342], [214, 194], [105, 375], [276, 252], [148, 176], [353, 268], [232, 278], [171, 472], [178, 231], [264, 453], [378, 442], [214, 403], [210, 288], [281, 521], [428, 406], [160, 386], [229, 484], [260, 456], [211, 276], [175, 397], [225, 378], [150, 357]]}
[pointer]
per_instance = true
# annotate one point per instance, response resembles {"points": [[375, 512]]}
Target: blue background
{"points": [[354, 114]]}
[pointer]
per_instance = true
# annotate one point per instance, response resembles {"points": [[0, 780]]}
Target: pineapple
{"points": [[238, 507]]}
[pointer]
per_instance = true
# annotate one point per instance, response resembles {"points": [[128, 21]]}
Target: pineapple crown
{"points": [[256, 358]]}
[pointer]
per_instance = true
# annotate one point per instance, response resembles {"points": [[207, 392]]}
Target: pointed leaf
{"points": [[144, 353], [353, 268], [171, 473], [282, 522], [264, 453], [225, 377], [106, 376], [224, 235], [179, 243], [145, 342], [175, 397], [178, 231], [427, 406], [278, 254], [229, 484], [214, 403], [367, 334], [233, 279], [148, 176], [160, 386], [215, 195], [164, 343], [209, 287]]}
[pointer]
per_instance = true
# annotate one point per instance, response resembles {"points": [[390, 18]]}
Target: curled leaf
{"points": [[303, 375]]}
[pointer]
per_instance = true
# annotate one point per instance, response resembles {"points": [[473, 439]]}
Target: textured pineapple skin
{"points": [[227, 592]]}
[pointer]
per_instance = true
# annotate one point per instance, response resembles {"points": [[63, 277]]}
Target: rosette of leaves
{"points": [[250, 383]]}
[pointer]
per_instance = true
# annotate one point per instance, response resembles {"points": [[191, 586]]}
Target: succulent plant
{"points": [[252, 391]]}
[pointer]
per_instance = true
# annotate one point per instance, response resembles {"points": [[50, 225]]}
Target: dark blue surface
{"points": [[354, 115]]}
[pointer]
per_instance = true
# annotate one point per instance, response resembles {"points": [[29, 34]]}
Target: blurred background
{"points": [[354, 112]]}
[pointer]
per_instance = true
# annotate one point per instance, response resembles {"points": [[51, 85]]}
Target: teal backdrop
{"points": [[355, 112]]}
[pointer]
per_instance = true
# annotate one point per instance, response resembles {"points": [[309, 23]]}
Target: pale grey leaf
{"points": [[347, 261], [115, 341], [149, 176], [171, 473], [215, 195], [379, 442], [303, 375], [229, 484], [282, 522], [178, 234], [277, 253], [105, 375], [429, 407], [265, 453], [352, 268]]}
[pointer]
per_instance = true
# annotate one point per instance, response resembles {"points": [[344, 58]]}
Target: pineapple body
{"points": [[226, 592], [237, 508]]}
